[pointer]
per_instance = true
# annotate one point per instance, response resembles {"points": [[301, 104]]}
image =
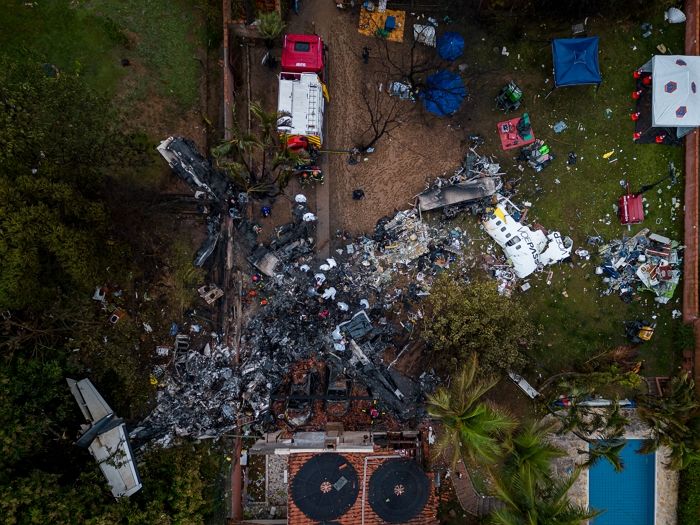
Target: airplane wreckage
{"points": [[347, 312]]}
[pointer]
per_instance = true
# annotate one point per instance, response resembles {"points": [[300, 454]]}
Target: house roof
{"points": [[410, 499]]}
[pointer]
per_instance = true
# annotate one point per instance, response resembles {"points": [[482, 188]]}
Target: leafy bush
{"points": [[271, 26], [689, 495], [465, 317]]}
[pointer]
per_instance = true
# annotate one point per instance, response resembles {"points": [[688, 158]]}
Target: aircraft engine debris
{"points": [[470, 187]]}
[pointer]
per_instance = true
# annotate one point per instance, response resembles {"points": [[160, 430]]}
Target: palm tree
{"points": [[602, 428], [527, 502], [472, 427], [270, 27], [257, 161], [528, 453], [608, 449], [674, 420]]}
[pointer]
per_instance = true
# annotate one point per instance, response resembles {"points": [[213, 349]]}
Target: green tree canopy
{"points": [[56, 138], [257, 161], [58, 143], [674, 419], [271, 26], [525, 485], [465, 317], [527, 451]]}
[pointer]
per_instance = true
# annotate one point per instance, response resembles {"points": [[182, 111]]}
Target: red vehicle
{"points": [[301, 100], [303, 54]]}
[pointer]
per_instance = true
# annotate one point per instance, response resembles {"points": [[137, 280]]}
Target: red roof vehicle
{"points": [[302, 54]]}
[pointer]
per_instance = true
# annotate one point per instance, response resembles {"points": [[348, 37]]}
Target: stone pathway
{"points": [[471, 501]]}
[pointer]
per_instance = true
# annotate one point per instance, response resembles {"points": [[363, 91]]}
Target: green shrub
{"points": [[689, 495]]}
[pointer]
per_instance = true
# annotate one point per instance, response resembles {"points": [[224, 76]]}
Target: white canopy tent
{"points": [[675, 97]]}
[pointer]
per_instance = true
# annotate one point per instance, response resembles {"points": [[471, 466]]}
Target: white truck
{"points": [[300, 106]]}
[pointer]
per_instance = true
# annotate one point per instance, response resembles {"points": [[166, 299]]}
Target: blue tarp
{"points": [[444, 93], [575, 61], [450, 46]]}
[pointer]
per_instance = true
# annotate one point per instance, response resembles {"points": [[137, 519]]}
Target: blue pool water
{"points": [[628, 496]]}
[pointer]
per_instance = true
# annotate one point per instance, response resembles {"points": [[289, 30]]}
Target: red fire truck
{"points": [[302, 98]]}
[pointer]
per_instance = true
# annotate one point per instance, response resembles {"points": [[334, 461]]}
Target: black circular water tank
{"points": [[325, 487], [398, 490]]}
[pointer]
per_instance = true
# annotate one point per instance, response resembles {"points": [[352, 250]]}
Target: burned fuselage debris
{"points": [[471, 187], [346, 310], [207, 183], [188, 164]]}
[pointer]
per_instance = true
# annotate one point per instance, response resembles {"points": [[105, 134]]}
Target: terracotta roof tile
{"points": [[354, 516]]}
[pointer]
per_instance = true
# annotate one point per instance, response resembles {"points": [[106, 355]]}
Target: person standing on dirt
{"points": [[365, 55]]}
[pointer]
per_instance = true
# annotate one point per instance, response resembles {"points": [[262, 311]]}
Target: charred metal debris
{"points": [[209, 184], [355, 311], [347, 310], [643, 262]]}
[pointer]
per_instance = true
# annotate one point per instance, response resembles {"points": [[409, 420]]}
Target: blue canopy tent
{"points": [[576, 61], [450, 46], [444, 93]]}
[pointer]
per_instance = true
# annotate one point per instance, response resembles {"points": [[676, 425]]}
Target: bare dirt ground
{"points": [[159, 116], [423, 147], [397, 171]]}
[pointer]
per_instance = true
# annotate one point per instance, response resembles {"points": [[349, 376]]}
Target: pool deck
{"points": [[666, 479]]}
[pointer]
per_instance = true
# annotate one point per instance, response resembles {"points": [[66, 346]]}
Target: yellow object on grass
{"points": [[608, 154], [645, 333], [370, 22]]}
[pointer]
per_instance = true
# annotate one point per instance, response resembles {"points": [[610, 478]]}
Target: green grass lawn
{"points": [[73, 39], [576, 323], [164, 34], [93, 36]]}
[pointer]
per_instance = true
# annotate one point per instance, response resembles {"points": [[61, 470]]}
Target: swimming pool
{"points": [[626, 497]]}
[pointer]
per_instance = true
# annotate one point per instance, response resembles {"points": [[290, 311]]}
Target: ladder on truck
{"points": [[313, 104]]}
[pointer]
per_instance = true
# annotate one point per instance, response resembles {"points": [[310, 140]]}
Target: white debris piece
{"points": [[300, 198], [309, 217], [424, 34], [526, 249], [674, 16], [329, 293]]}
